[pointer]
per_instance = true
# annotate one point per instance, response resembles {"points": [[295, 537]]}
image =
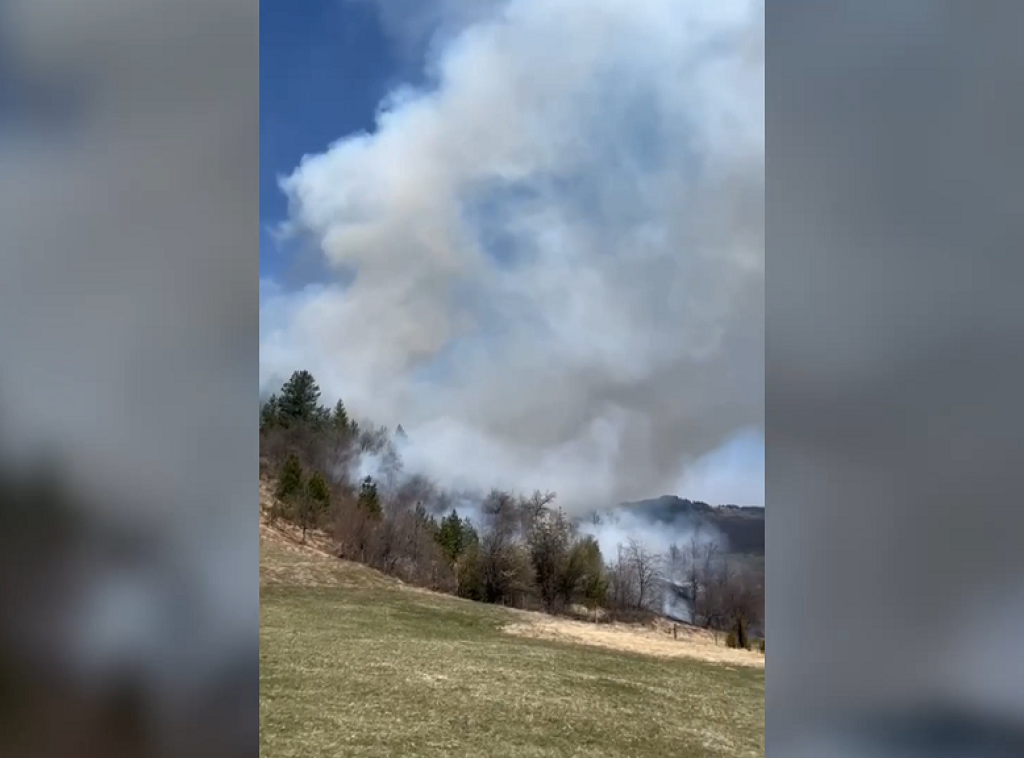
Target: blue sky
{"points": [[324, 67]]}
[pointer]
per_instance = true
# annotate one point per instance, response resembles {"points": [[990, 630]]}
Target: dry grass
{"points": [[355, 664], [657, 641]]}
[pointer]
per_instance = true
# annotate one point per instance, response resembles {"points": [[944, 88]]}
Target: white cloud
{"points": [[558, 247]]}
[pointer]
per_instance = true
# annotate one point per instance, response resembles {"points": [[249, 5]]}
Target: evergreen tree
{"points": [[469, 574], [318, 489], [313, 503], [369, 499], [299, 400], [400, 433], [470, 538], [451, 536], [289, 482], [425, 521], [322, 418], [269, 413], [339, 417]]}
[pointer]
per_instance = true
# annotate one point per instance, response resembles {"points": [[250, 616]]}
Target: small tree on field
{"points": [[290, 480], [289, 484], [313, 504]]}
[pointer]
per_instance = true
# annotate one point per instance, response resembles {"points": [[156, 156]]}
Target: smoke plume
{"points": [[549, 257]]}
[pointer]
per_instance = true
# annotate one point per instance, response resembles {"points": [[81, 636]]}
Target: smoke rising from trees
{"points": [[549, 257]]}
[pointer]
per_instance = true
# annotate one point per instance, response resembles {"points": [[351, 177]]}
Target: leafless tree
{"points": [[621, 582], [502, 562], [533, 507], [354, 530], [645, 565]]}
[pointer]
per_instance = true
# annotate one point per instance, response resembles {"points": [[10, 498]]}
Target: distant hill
{"points": [[742, 525]]}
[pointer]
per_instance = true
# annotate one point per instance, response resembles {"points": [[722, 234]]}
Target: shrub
{"points": [[276, 512], [469, 575], [737, 637]]}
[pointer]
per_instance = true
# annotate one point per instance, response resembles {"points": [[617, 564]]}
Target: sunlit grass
{"points": [[352, 664]]}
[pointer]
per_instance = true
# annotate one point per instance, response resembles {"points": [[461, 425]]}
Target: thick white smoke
{"points": [[551, 259]]}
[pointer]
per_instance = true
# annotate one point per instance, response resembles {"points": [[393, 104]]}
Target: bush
{"points": [[277, 512], [737, 637], [469, 577]]}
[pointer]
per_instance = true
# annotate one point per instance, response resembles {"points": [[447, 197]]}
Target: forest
{"points": [[514, 549]]}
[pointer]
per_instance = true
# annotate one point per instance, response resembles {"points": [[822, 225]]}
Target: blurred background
{"points": [[128, 335], [128, 331], [894, 324]]}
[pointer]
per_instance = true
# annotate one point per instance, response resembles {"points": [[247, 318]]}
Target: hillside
{"points": [[744, 526], [353, 663]]}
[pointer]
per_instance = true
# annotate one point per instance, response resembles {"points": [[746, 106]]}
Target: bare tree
{"points": [[533, 507], [646, 566], [503, 566], [354, 530], [621, 582]]}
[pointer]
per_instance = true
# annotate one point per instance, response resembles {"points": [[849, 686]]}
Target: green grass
{"points": [[354, 665]]}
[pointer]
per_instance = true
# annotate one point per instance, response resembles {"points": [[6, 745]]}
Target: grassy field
{"points": [[352, 664]]}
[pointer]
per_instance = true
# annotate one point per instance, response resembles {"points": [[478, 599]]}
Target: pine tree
{"points": [[470, 538], [451, 536], [269, 413], [322, 418], [339, 418], [318, 489], [425, 520], [299, 400], [469, 574], [289, 482], [289, 485], [313, 503], [369, 499]]}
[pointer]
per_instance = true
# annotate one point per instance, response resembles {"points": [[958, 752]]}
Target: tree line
{"points": [[517, 550]]}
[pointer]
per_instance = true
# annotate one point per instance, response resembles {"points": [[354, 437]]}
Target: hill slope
{"points": [[742, 525], [355, 664]]}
